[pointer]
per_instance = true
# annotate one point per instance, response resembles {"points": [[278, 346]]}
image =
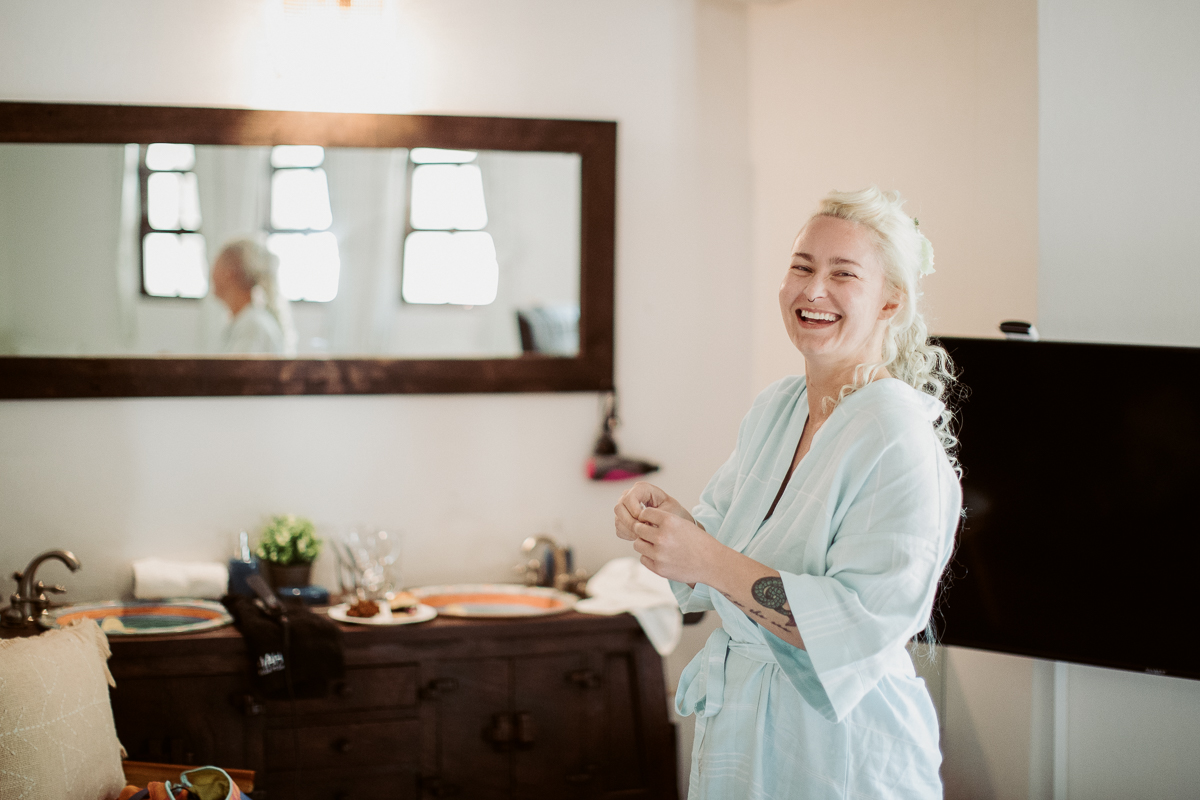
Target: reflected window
{"points": [[174, 262], [300, 217], [448, 256], [448, 197]]}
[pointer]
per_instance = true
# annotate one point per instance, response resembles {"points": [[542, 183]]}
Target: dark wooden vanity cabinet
{"points": [[571, 706]]}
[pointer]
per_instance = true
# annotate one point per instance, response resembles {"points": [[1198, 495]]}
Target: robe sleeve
{"points": [[710, 513], [882, 567], [690, 599], [718, 495], [254, 332]]}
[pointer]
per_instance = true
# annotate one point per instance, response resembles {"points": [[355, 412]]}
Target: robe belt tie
{"points": [[702, 684]]}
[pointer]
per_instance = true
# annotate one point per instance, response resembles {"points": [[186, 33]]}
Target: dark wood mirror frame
{"points": [[158, 376]]}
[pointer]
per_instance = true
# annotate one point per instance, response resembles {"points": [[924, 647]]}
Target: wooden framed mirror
{"points": [[91, 307]]}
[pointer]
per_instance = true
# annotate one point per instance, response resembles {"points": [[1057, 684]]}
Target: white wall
{"points": [[1119, 169]]}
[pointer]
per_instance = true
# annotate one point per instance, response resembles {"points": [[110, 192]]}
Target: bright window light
{"points": [[175, 265], [173, 201], [300, 200], [443, 267], [179, 157], [435, 155], [297, 155], [448, 197], [309, 265]]}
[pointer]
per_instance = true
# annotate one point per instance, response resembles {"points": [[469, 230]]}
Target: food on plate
{"points": [[363, 608], [405, 602]]}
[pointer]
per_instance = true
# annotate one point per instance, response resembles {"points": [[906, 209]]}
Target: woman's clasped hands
{"points": [[664, 534]]}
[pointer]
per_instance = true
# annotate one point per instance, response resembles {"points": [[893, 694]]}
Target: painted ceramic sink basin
{"points": [[490, 600], [120, 618]]}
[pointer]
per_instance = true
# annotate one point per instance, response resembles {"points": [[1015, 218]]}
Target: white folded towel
{"points": [[158, 579], [623, 584]]}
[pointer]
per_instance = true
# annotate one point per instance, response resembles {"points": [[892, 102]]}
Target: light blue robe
{"points": [[861, 535]]}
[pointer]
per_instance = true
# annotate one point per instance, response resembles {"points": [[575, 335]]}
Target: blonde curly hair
{"points": [[906, 255]]}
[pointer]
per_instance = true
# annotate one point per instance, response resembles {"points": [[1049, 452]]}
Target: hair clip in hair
{"points": [[925, 267]]}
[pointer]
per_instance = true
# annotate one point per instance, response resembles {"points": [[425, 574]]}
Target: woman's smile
{"points": [[811, 318]]}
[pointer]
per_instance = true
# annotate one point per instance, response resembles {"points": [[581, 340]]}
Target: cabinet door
{"points": [[475, 734], [187, 720], [551, 759], [625, 750]]}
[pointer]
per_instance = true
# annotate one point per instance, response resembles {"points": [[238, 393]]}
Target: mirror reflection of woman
{"points": [[821, 540], [245, 279]]}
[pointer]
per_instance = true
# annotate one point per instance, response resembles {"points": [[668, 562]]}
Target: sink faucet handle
{"points": [[29, 605]]}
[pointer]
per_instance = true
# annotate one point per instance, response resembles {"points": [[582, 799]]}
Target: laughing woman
{"points": [[821, 540]]}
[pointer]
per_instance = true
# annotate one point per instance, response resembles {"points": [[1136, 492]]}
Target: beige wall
{"points": [[937, 99]]}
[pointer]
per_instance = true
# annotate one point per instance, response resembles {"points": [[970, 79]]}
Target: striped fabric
{"points": [[860, 535]]}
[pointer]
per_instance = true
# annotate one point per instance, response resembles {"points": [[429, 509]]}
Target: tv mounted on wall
{"points": [[1081, 483]]}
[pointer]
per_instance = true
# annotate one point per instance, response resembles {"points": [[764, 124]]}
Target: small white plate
{"points": [[384, 617]]}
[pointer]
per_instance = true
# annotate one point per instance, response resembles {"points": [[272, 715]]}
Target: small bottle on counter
{"points": [[241, 566]]}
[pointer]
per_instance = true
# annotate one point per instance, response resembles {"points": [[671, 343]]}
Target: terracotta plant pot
{"points": [[294, 575]]}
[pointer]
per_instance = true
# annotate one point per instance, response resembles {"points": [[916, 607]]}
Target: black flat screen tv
{"points": [[1082, 493]]}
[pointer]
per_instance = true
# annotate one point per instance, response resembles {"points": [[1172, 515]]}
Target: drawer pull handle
{"points": [[436, 786], [343, 745], [526, 727], [344, 689], [589, 772], [437, 687], [251, 706], [500, 732], [584, 678]]}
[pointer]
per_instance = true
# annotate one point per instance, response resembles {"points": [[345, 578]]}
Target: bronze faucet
{"points": [[29, 604], [554, 568]]}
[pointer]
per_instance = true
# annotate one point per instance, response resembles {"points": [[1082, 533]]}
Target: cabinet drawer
{"points": [[370, 687], [351, 786], [368, 744]]}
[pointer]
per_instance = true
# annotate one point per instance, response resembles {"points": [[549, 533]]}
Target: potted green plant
{"points": [[287, 547]]}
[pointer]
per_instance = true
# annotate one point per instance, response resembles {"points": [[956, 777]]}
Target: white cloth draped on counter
{"points": [[623, 584]]}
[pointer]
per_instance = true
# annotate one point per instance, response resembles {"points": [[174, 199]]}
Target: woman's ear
{"points": [[892, 304]]}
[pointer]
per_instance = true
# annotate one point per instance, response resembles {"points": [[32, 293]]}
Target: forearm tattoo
{"points": [[768, 592]]}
